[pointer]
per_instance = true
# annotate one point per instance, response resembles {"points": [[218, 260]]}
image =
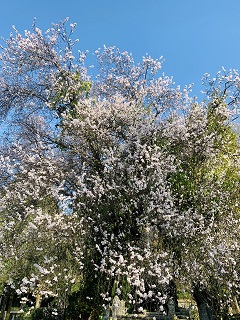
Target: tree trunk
{"points": [[3, 307], [205, 313], [6, 305], [9, 306], [203, 300]]}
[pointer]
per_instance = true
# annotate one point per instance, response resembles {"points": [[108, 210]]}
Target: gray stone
{"points": [[106, 314], [171, 309], [118, 308], [115, 307]]}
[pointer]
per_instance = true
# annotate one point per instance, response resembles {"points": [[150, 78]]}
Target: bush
{"points": [[47, 313]]}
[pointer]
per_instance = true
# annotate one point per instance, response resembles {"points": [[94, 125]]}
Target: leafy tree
{"points": [[207, 189]]}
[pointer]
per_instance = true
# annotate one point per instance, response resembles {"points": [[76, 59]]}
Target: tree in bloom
{"points": [[206, 188], [122, 185], [41, 246]]}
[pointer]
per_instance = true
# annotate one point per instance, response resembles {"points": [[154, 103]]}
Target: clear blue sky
{"points": [[194, 36]]}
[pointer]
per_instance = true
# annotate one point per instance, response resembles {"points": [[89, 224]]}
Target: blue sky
{"points": [[194, 36]]}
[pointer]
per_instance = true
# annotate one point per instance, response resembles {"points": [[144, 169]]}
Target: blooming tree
{"points": [[207, 192], [41, 246], [117, 186]]}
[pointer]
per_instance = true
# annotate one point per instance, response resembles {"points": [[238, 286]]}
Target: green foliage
{"points": [[68, 90], [193, 314], [47, 313]]}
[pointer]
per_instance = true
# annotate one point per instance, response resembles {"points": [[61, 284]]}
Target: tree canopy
{"points": [[116, 185]]}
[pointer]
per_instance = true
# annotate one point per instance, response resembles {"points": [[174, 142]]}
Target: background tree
{"points": [[207, 185]]}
